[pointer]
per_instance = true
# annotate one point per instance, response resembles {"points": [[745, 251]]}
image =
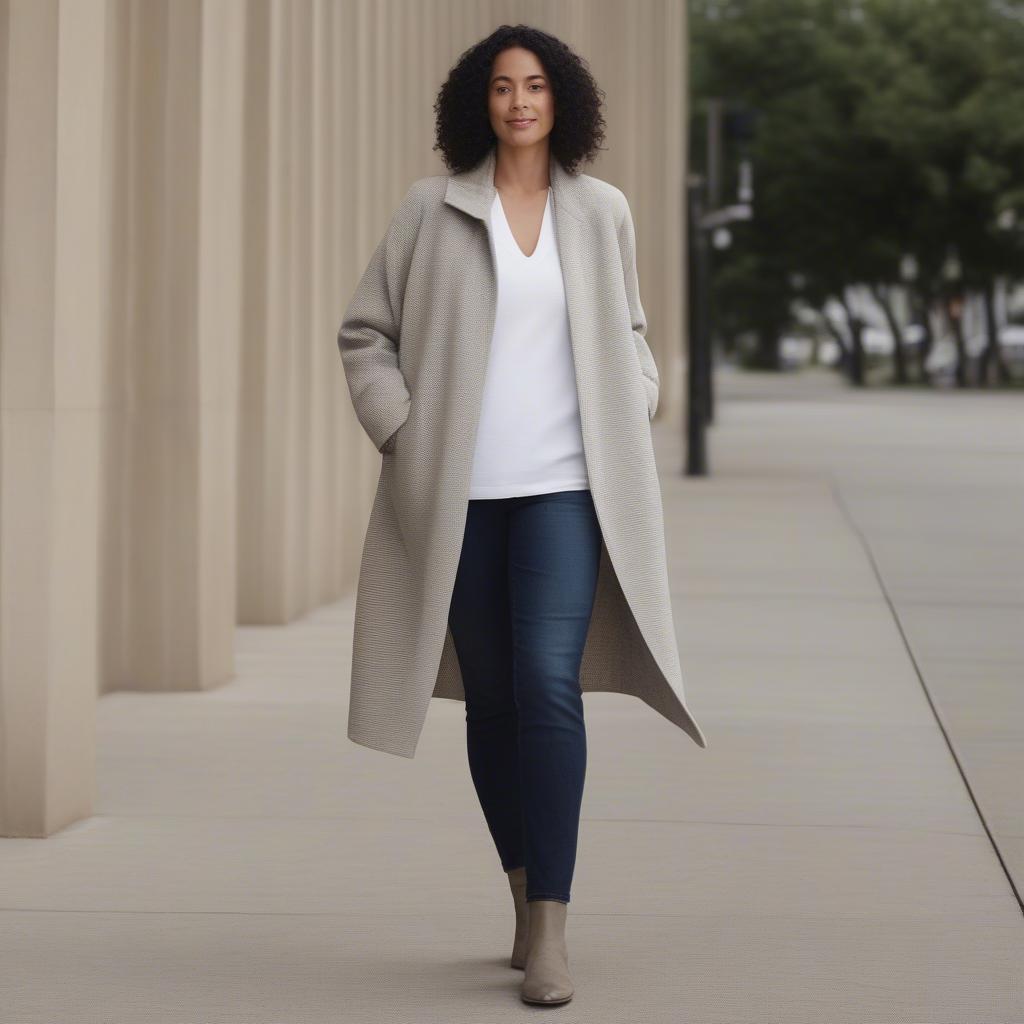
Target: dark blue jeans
{"points": [[519, 617]]}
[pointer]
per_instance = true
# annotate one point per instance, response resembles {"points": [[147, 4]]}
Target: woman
{"points": [[514, 558]]}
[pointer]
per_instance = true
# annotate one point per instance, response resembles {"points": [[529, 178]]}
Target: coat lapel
{"points": [[473, 191]]}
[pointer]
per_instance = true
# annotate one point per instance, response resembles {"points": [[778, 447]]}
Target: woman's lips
{"points": [[524, 123]]}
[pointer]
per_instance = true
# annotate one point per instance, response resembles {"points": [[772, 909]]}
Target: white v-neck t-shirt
{"points": [[529, 439]]}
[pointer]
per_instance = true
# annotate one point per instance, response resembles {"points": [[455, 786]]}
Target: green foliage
{"points": [[884, 127]]}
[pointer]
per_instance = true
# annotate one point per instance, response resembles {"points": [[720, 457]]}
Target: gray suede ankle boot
{"points": [[547, 977], [517, 883]]}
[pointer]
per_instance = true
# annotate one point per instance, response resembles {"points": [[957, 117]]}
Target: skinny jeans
{"points": [[519, 616]]}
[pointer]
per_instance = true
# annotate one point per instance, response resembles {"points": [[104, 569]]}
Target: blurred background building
{"points": [[190, 191]]}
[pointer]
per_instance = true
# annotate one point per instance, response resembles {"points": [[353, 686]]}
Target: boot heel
{"points": [[517, 883]]}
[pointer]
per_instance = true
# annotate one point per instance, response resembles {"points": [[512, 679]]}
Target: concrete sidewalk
{"points": [[823, 861]]}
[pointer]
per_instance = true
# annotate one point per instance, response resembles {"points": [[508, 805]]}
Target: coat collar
{"points": [[473, 191]]}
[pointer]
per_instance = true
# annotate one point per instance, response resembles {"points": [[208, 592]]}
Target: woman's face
{"points": [[519, 90]]}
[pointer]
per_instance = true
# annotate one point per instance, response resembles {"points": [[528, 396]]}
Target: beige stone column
{"points": [[53, 317], [168, 516]]}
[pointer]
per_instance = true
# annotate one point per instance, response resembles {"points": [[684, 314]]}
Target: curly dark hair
{"points": [[463, 127]]}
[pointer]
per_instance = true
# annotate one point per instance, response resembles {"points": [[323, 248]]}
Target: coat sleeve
{"points": [[627, 249], [370, 332]]}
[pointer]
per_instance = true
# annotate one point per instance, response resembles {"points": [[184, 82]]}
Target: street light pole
{"points": [[701, 224], [698, 350], [712, 200], [705, 216]]}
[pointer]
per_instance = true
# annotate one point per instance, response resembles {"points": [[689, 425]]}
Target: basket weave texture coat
{"points": [[414, 343]]}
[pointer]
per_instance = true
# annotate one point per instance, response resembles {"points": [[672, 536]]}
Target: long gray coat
{"points": [[414, 343]]}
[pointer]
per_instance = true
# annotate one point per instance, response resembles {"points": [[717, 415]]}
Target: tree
{"points": [[884, 129]]}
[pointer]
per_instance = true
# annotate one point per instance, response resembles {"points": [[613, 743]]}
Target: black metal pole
{"points": [[712, 201], [697, 318], [708, 355]]}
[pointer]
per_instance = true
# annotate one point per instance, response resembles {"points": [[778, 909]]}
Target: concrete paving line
{"points": [[836, 488]]}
